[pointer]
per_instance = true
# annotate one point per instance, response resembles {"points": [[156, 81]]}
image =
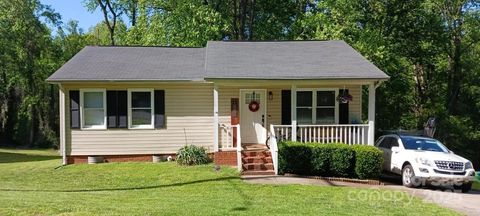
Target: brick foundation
{"points": [[79, 159], [226, 158]]}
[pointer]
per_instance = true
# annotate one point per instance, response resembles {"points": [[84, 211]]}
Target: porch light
{"points": [[270, 95]]}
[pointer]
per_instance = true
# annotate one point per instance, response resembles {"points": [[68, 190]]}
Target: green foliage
{"points": [[342, 160], [192, 155], [368, 161], [333, 159], [321, 159], [295, 158]]}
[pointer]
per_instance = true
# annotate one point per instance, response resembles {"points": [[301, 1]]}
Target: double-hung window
{"points": [[316, 107], [325, 112], [92, 103], [140, 108]]}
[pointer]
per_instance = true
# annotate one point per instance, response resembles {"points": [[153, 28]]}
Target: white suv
{"points": [[422, 160]]}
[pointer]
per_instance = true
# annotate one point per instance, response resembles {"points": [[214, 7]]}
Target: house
{"points": [[129, 103]]}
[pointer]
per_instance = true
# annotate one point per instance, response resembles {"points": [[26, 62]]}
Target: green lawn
{"points": [[476, 185], [30, 184]]}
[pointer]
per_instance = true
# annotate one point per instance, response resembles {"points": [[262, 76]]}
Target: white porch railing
{"points": [[348, 134], [272, 142], [227, 136]]}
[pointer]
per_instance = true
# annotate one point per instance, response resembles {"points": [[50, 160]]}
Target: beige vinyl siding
{"points": [[355, 106], [188, 109], [187, 106]]}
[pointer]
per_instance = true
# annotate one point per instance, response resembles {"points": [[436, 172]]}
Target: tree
{"points": [[27, 60], [111, 10]]}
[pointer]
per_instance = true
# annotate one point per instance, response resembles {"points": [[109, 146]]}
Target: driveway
{"points": [[467, 204]]}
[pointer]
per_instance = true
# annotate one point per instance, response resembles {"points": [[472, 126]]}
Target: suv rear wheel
{"points": [[408, 176]]}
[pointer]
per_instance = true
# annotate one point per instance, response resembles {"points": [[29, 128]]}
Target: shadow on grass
{"points": [[246, 201], [128, 188], [8, 157]]}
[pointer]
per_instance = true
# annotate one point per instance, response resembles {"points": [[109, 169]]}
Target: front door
{"points": [[253, 107]]}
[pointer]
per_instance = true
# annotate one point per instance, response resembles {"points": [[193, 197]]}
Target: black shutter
{"points": [[122, 107], [286, 107], [74, 109], [343, 109], [159, 108], [117, 109], [112, 109]]}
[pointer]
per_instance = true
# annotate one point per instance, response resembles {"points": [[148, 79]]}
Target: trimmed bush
{"points": [[192, 155], [321, 157], [295, 157], [368, 161], [335, 160], [342, 162]]}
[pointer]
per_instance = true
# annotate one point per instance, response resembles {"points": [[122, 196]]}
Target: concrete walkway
{"points": [[468, 204]]}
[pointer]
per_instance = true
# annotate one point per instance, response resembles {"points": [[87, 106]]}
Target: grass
{"points": [[31, 183], [476, 184]]}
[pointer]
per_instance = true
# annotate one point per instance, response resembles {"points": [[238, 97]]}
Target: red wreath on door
{"points": [[254, 106]]}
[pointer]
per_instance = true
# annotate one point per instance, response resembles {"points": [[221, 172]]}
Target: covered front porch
{"points": [[304, 111]]}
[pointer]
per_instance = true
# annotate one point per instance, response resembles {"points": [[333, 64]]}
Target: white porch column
{"points": [[63, 143], [215, 118], [294, 112], [371, 114]]}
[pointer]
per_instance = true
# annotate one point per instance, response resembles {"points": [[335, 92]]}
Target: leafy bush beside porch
{"points": [[330, 160]]}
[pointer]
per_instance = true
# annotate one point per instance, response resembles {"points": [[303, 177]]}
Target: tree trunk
{"points": [[252, 19], [235, 21], [133, 11], [242, 14]]}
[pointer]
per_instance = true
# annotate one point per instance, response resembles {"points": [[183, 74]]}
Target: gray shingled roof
{"points": [[220, 60], [288, 60], [95, 63]]}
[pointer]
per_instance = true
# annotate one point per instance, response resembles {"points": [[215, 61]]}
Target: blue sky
{"points": [[74, 10]]}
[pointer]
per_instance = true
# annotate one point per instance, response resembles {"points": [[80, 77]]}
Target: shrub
{"points": [[321, 157], [342, 162], [368, 161], [192, 155], [339, 160], [295, 158], [282, 162]]}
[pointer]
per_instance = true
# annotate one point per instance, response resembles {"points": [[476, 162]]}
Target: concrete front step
{"points": [[257, 159], [261, 172], [257, 166]]}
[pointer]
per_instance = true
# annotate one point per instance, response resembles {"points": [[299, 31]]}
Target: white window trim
{"points": [[82, 119], [314, 103], [152, 108]]}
